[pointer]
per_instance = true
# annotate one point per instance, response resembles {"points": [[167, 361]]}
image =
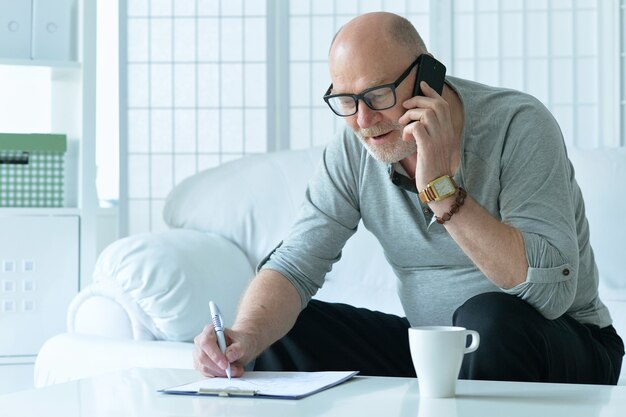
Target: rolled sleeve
{"points": [[537, 199], [328, 217], [552, 277], [550, 290], [304, 284]]}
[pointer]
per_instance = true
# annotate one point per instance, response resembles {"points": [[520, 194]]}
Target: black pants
{"points": [[516, 343]]}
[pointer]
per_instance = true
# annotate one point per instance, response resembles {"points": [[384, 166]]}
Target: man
{"points": [[504, 251]]}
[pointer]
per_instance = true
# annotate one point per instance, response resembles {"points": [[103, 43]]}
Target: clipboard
{"points": [[259, 384]]}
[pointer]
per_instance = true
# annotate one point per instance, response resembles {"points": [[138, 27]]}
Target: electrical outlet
{"points": [[8, 265], [28, 285], [8, 285], [28, 305], [8, 306], [28, 265]]}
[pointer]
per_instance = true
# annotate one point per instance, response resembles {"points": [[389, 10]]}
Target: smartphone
{"points": [[431, 71]]}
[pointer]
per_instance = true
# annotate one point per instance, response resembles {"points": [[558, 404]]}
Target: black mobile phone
{"points": [[431, 71]]}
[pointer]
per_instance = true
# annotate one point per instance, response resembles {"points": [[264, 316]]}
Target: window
{"points": [[195, 95], [107, 108], [208, 81], [548, 49]]}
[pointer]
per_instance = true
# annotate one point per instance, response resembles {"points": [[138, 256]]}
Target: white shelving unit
{"points": [[46, 254]]}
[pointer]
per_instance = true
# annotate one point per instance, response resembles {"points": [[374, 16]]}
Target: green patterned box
{"points": [[31, 169]]}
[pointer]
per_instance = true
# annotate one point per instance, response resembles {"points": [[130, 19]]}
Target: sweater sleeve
{"points": [[537, 197], [328, 217]]}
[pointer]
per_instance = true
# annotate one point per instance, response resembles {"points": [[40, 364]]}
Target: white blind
{"points": [[546, 48], [196, 95], [197, 87], [622, 62]]}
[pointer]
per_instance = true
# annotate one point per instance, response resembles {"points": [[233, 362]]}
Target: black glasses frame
{"points": [[361, 95]]}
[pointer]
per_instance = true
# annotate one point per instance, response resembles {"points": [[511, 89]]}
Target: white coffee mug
{"points": [[437, 353]]}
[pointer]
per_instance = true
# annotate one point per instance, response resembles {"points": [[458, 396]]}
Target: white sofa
{"points": [[150, 292]]}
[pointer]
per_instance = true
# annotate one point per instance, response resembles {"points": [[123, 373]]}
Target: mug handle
{"points": [[475, 341]]}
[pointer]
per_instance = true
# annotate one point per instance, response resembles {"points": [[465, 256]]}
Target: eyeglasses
{"points": [[381, 97]]}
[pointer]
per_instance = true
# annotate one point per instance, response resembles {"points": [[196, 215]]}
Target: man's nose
{"points": [[366, 117]]}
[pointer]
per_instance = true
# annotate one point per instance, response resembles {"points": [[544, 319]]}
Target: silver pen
{"points": [[219, 331]]}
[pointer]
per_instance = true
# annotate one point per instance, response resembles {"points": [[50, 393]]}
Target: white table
{"points": [[134, 393]]}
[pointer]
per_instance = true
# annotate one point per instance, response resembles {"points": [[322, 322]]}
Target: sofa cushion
{"points": [[601, 174], [250, 201], [162, 282]]}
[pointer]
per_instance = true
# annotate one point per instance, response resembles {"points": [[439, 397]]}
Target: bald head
{"points": [[373, 50], [378, 31]]}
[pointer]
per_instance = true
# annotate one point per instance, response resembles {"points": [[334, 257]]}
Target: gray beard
{"points": [[390, 152]]}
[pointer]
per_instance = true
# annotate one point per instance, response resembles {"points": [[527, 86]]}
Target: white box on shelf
{"points": [[54, 30], [34, 302], [15, 29]]}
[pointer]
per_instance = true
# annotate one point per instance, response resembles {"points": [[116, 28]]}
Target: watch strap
{"points": [[427, 194]]}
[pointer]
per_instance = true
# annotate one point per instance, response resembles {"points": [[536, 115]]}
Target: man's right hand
{"points": [[209, 360], [270, 303]]}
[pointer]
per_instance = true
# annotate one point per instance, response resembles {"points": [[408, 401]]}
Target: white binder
{"points": [[53, 30], [15, 29]]}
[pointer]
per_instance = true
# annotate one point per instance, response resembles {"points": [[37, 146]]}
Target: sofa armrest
{"points": [[67, 357], [158, 286]]}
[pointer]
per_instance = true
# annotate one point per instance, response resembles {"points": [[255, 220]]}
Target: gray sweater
{"points": [[513, 163]]}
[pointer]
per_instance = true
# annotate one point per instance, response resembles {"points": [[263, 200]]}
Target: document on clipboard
{"points": [[284, 385]]}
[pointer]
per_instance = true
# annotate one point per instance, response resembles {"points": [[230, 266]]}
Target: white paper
{"points": [[274, 384]]}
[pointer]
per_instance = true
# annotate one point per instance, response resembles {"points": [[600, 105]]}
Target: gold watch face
{"points": [[444, 187]]}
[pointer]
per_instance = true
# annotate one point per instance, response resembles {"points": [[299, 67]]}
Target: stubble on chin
{"points": [[390, 151]]}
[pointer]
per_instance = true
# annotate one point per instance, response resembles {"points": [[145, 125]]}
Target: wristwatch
{"points": [[438, 189]]}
